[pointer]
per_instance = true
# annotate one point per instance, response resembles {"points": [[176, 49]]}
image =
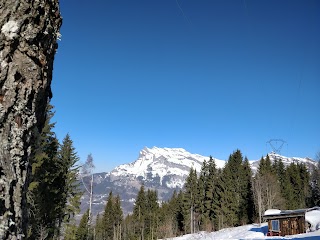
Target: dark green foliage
{"points": [[200, 202], [71, 186], [232, 191], [53, 194], [314, 199], [246, 211], [83, 232], [279, 169], [108, 218], [109, 226], [221, 202], [190, 196], [210, 176], [44, 193], [145, 219], [117, 218], [139, 212], [99, 227], [296, 186], [265, 166], [151, 215]]}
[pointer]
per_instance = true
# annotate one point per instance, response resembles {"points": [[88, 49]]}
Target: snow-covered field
{"points": [[244, 232]]}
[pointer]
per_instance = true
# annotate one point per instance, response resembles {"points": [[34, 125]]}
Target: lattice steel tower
{"points": [[276, 145]]}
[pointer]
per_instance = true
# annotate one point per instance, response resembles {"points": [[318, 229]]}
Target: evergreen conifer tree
{"points": [[211, 178], [99, 227], [233, 174], [246, 212], [151, 216], [139, 213], [117, 218], [221, 202], [265, 166], [314, 199], [44, 192], [83, 231], [108, 218], [190, 195], [71, 193]]}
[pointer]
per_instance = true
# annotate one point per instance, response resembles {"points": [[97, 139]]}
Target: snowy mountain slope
{"points": [[163, 169], [286, 161], [163, 162]]}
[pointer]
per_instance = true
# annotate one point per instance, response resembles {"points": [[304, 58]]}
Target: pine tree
{"points": [[233, 174], [139, 213], [211, 177], [45, 193], [83, 231], [265, 166], [70, 231], [296, 186], [246, 212], [108, 219], [190, 195], [170, 219], [129, 231], [200, 207], [117, 218], [280, 172], [221, 202], [99, 227], [71, 193], [151, 216], [314, 199]]}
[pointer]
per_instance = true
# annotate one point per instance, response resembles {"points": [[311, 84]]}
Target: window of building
{"points": [[275, 225]]}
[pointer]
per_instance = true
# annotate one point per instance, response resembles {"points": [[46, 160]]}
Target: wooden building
{"points": [[288, 222]]}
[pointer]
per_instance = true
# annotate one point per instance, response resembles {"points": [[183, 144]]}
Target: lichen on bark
{"points": [[29, 30]]}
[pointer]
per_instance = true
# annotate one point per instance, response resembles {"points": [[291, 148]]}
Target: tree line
{"points": [[210, 200]]}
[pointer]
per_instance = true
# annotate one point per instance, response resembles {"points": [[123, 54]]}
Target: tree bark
{"points": [[29, 30]]}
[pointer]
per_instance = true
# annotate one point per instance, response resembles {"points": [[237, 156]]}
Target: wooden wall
{"points": [[289, 225]]}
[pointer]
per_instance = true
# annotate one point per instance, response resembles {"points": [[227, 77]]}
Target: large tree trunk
{"points": [[29, 30]]}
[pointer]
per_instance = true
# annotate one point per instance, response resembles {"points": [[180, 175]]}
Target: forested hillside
{"points": [[211, 200]]}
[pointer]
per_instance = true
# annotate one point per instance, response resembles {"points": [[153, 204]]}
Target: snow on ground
{"points": [[244, 232], [313, 217]]}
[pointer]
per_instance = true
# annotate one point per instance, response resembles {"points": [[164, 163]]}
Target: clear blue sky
{"points": [[208, 76]]}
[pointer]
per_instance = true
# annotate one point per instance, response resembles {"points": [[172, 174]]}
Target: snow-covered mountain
{"points": [[286, 161], [162, 166], [163, 169]]}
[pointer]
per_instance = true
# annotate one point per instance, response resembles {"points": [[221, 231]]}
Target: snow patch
{"points": [[313, 217], [272, 212], [10, 29]]}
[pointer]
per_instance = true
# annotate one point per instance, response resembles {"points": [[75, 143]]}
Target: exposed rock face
{"points": [[29, 30]]}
